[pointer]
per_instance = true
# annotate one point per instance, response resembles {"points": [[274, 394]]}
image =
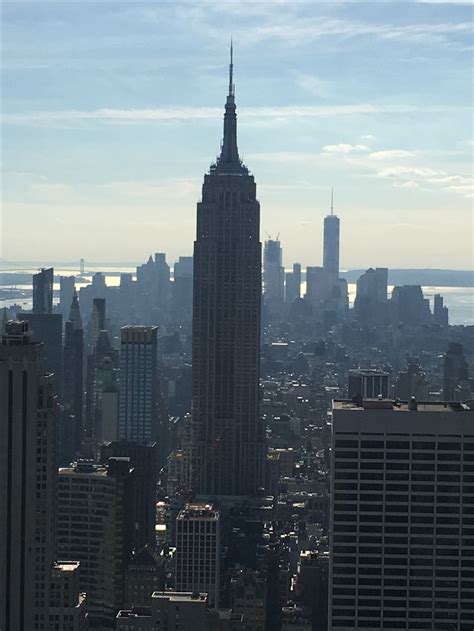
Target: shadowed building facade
{"points": [[228, 453], [28, 416]]}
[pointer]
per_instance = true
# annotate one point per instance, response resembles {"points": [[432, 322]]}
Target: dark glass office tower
{"points": [[43, 291], [228, 450]]}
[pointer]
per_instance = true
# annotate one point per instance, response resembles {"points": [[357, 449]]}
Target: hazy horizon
{"points": [[112, 113]]}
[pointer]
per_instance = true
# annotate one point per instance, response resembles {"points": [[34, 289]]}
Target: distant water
{"points": [[459, 300]]}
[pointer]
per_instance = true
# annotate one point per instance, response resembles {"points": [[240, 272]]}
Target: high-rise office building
{"points": [[43, 291], [153, 278], [455, 371], [97, 321], [411, 382], [408, 305], [67, 611], [198, 550], [248, 597], [368, 383], [66, 293], [173, 611], [402, 516], [318, 285], [228, 448], [182, 289], [371, 298], [440, 312], [47, 328], [102, 392], [331, 243], [325, 291], [146, 573], [74, 373], [293, 284], [27, 481], [273, 273], [138, 414], [144, 462], [94, 526]]}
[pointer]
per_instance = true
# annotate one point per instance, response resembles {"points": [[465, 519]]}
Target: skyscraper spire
{"points": [[332, 201], [229, 160], [231, 70], [75, 313]]}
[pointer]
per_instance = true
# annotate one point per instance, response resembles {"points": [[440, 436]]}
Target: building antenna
{"points": [[332, 201], [231, 69]]}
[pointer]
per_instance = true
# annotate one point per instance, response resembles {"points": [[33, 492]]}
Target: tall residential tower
{"points": [[228, 452]]}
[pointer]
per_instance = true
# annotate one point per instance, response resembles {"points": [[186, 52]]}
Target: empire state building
{"points": [[227, 435]]}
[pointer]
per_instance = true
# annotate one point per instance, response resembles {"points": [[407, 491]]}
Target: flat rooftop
{"points": [[199, 510], [66, 566], [401, 406], [181, 596]]}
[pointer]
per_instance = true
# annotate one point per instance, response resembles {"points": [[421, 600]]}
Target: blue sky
{"points": [[112, 113]]}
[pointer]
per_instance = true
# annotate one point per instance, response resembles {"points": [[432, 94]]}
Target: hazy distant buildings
{"points": [[66, 292], [138, 413], [198, 550], [273, 274], [228, 448], [27, 481], [43, 291], [74, 373], [182, 289], [102, 388], [402, 506], [370, 303], [318, 285], [153, 279], [97, 321], [325, 291], [455, 372], [440, 312], [408, 305], [411, 382], [331, 243], [293, 284]]}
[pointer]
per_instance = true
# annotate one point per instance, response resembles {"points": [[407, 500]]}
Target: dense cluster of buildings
{"points": [[213, 448]]}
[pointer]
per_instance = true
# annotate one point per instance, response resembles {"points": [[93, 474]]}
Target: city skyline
{"points": [[124, 133]]}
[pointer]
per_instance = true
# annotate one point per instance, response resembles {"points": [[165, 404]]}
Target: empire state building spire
{"points": [[226, 454], [229, 160]]}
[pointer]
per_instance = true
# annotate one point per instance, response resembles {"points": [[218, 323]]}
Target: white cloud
{"points": [[312, 84], [396, 171], [461, 2], [184, 113], [171, 187], [344, 148], [408, 184], [391, 154], [297, 30]]}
